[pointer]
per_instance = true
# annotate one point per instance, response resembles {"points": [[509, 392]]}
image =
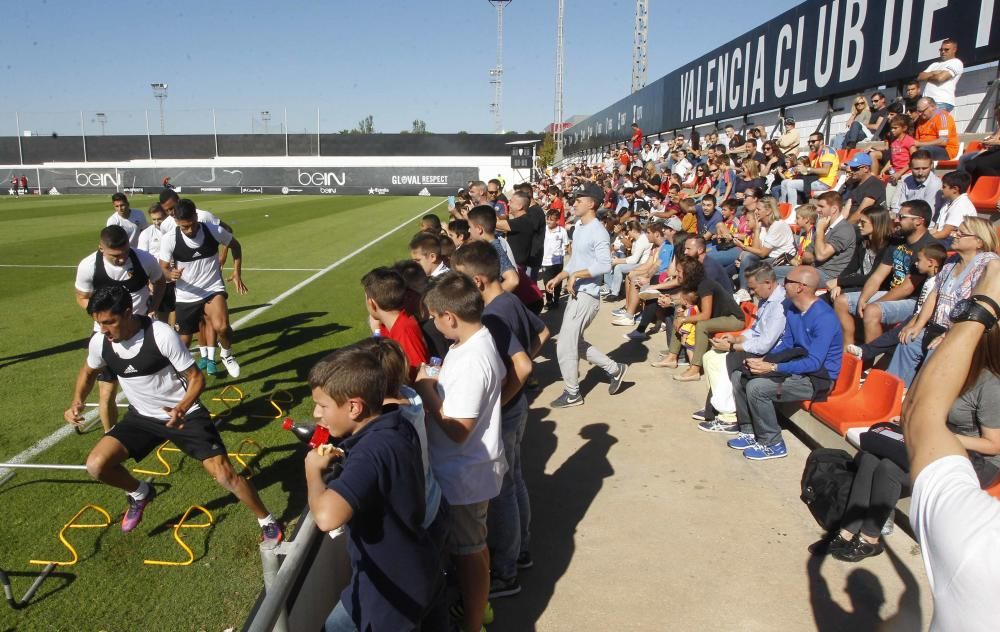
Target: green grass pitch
{"points": [[44, 335]]}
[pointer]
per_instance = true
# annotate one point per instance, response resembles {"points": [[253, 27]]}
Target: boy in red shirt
{"points": [[385, 291]]}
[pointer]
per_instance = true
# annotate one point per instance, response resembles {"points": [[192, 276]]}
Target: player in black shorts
{"points": [[162, 383]]}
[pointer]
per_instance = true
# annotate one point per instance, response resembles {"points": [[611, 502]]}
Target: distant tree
{"points": [[366, 125], [547, 153], [344, 131], [510, 133], [419, 127], [462, 131], [531, 131]]}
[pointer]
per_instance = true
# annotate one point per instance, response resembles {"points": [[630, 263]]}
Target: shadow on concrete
{"points": [[867, 599], [559, 501]]}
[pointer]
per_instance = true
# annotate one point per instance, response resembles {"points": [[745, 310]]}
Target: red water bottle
{"points": [[315, 435]]}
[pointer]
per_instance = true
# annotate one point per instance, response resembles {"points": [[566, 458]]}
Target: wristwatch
{"points": [[969, 309]]}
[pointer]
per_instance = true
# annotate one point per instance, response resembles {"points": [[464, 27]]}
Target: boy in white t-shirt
{"points": [[553, 253], [957, 205], [463, 431]]}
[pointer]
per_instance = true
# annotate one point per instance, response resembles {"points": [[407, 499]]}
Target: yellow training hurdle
{"points": [[183, 524], [73, 524]]}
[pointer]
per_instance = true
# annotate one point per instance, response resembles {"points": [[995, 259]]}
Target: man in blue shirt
{"points": [[708, 216], [803, 365], [590, 261]]}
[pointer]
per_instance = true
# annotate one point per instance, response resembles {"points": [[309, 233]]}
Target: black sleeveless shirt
{"points": [[133, 284], [148, 361]]}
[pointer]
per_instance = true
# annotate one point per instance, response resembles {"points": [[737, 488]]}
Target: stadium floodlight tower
{"points": [[496, 73], [160, 93], [640, 38], [557, 115], [266, 117], [102, 119]]}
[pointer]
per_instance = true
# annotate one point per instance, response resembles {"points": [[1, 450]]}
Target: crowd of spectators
{"points": [[762, 262]]}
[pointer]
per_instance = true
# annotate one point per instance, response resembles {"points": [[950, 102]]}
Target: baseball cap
{"points": [[789, 119], [656, 142], [860, 159], [674, 224], [592, 191]]}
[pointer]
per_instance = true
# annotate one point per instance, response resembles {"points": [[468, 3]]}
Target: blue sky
{"points": [[398, 61]]}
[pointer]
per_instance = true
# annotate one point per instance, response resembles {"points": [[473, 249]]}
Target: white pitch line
{"points": [[17, 265], [63, 432]]}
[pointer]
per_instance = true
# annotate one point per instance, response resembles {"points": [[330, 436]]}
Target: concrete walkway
{"points": [[643, 522]]}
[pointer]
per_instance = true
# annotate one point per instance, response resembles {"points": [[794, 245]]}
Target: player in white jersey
{"points": [[116, 262], [189, 257], [149, 240], [163, 384], [132, 220], [168, 202]]}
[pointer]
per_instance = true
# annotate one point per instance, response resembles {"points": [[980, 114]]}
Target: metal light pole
{"points": [[160, 93], [102, 119], [557, 118], [265, 116], [497, 71]]}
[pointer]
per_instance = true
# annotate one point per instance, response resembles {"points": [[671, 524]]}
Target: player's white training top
{"points": [[147, 393], [202, 277], [134, 224], [149, 240]]}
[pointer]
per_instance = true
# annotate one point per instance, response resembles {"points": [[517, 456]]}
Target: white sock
{"points": [[209, 353], [225, 353], [203, 351], [141, 491], [266, 520]]}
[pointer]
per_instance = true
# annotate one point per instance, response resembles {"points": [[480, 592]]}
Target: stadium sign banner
{"points": [[817, 50], [262, 180]]}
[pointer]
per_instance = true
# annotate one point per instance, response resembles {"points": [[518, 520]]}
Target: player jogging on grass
{"points": [[168, 203], [162, 383], [115, 262], [132, 220], [189, 256]]}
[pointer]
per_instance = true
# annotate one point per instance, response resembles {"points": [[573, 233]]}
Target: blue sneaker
{"points": [[761, 452], [621, 311], [211, 368], [742, 441], [719, 426], [202, 363], [567, 401], [699, 415], [637, 336]]}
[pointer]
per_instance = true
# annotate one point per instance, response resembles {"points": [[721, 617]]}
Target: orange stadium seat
{"points": [[986, 193], [994, 491], [749, 314], [880, 398], [847, 382], [784, 209]]}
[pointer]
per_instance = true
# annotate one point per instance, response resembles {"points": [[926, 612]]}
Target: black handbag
{"points": [[826, 485], [885, 440]]}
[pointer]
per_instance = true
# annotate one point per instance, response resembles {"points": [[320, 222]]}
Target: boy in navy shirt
{"points": [[379, 494]]}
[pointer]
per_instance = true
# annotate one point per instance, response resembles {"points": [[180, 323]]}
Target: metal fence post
{"points": [[17, 122], [83, 135], [270, 564], [149, 143]]}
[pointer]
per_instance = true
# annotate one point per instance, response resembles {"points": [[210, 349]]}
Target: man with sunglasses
{"points": [[935, 130], [889, 295], [942, 76], [878, 124], [862, 189], [821, 174]]}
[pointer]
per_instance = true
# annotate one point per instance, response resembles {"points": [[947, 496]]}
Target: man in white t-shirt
{"points": [[132, 220], [957, 205], [115, 262], [956, 522], [189, 256], [149, 240], [942, 76], [162, 383], [463, 431]]}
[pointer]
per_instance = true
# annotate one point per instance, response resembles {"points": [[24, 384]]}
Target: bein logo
{"points": [[97, 179], [321, 179]]}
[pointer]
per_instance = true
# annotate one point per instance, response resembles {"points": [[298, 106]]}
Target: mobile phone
{"points": [[451, 201]]}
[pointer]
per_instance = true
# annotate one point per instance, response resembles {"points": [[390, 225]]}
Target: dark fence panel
{"points": [[116, 148], [51, 149], [252, 144], [184, 146], [8, 151]]}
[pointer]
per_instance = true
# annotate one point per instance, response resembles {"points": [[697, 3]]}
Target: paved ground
{"points": [[643, 522]]}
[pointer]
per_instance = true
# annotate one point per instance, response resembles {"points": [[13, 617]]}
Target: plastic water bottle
{"points": [[433, 367], [313, 434]]}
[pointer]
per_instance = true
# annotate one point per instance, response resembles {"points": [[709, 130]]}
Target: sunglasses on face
{"points": [[959, 234]]}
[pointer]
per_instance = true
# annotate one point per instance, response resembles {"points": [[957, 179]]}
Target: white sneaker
{"points": [[232, 366], [624, 321], [855, 351], [647, 294], [742, 296]]}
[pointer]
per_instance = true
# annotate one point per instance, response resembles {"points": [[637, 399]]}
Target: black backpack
{"points": [[826, 484]]}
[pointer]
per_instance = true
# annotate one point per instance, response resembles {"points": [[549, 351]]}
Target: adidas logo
{"points": [[130, 369]]}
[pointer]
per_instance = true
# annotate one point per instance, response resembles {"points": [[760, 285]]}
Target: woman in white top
{"points": [[772, 239], [638, 254]]}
